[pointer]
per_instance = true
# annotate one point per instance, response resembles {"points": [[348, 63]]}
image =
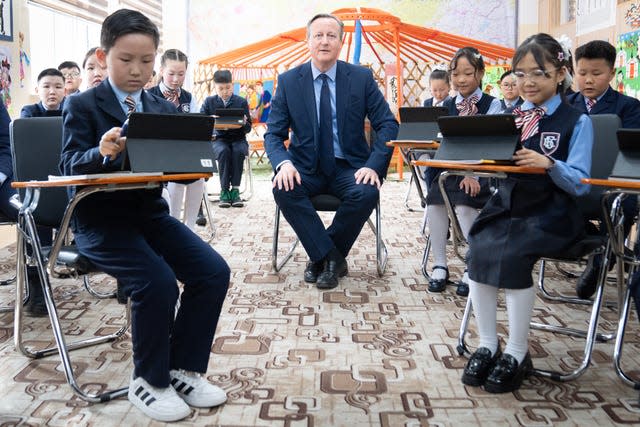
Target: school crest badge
{"points": [[186, 108], [549, 142]]}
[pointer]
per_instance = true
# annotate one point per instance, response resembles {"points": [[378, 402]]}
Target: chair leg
{"points": [[277, 266], [381, 249], [617, 351], [425, 258], [210, 223], [462, 348], [27, 224], [101, 295]]}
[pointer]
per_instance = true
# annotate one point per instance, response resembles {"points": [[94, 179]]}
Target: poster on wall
{"points": [[258, 94], [6, 20], [627, 81], [5, 76]]}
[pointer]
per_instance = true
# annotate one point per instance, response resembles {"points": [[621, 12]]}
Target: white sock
{"points": [[192, 202], [438, 227], [519, 311], [466, 215], [485, 305], [176, 197]]}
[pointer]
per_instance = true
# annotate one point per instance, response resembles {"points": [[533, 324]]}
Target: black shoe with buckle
{"points": [[507, 374], [312, 271], [463, 287], [438, 285], [479, 365]]}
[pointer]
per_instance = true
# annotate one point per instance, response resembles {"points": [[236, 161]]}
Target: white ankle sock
{"points": [[519, 311], [485, 302]]}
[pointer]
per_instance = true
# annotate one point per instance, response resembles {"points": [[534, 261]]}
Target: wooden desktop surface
{"points": [[484, 167], [118, 179], [412, 144], [613, 183]]}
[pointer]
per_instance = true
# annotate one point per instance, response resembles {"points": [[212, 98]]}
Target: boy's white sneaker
{"points": [[195, 390], [162, 404]]}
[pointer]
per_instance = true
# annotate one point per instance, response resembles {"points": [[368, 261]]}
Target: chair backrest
{"points": [[36, 143], [603, 157]]}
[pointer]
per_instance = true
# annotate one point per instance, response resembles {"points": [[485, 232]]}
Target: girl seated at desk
{"points": [[467, 194], [530, 216]]}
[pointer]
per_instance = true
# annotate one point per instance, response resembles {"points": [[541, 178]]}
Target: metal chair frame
{"points": [[381, 249]]}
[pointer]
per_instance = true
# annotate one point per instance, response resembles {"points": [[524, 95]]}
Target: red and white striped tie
{"points": [[527, 121], [590, 104], [467, 107], [130, 103]]}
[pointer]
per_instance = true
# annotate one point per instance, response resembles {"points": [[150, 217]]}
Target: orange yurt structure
{"points": [[400, 55]]}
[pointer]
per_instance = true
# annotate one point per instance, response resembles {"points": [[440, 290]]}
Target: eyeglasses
{"points": [[508, 85], [330, 37], [71, 75], [533, 75]]}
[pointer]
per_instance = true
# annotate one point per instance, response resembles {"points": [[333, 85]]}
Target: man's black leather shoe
{"points": [[312, 271], [479, 366], [507, 375], [588, 280], [335, 267]]}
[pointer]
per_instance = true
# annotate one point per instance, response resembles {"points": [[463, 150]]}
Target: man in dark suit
{"points": [[50, 90], [324, 103], [595, 68]]}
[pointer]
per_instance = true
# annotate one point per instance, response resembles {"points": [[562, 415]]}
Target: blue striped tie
{"points": [[326, 157]]}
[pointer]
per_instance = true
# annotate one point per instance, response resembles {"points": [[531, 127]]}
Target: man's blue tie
{"points": [[326, 158]]}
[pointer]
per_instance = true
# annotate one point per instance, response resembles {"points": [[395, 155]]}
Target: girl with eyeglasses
{"points": [[529, 217]]}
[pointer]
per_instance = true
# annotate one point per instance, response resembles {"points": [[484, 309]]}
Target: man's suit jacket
{"points": [[86, 117], [612, 102], [357, 96], [37, 110]]}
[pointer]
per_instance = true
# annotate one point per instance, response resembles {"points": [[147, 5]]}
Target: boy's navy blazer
{"points": [[612, 102], [96, 111], [6, 163], [36, 110], [357, 97]]}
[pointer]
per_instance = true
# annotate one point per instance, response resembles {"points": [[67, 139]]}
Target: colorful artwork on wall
{"points": [[626, 80], [5, 76], [258, 95]]}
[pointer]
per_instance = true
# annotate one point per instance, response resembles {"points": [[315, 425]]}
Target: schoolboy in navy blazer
{"points": [[50, 90], [359, 167], [131, 236], [595, 68]]}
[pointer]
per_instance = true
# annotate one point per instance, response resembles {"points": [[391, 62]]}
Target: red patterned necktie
{"points": [[590, 104], [130, 103], [467, 107], [172, 95], [527, 121]]}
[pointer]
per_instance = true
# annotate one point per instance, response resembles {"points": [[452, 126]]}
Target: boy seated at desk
{"points": [[595, 68], [131, 236], [229, 145]]}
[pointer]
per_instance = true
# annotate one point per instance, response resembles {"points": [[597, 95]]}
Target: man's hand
{"points": [[286, 177], [367, 176], [471, 186]]}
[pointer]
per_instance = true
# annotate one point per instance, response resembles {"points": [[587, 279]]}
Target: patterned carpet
{"points": [[374, 351]]}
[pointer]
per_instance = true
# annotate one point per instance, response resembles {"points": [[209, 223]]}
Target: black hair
{"points": [[472, 55], [439, 75], [597, 49], [222, 76], [174, 55], [325, 15], [88, 55], [68, 64], [505, 74], [544, 48], [123, 22], [50, 72]]}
